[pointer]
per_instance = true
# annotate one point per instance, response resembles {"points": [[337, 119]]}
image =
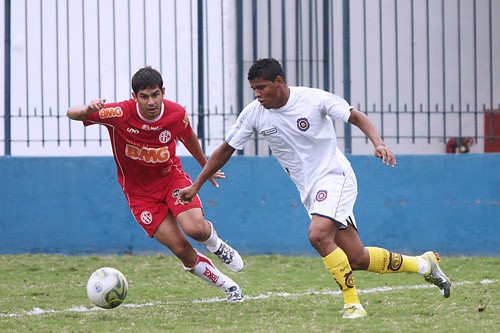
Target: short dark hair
{"points": [[268, 69], [145, 78]]}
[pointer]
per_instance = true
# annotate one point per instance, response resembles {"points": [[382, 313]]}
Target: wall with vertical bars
{"points": [[426, 72]]}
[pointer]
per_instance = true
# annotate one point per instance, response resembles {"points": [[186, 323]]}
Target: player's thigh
{"points": [[193, 224], [322, 229], [170, 234]]}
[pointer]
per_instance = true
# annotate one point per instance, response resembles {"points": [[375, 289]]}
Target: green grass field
{"points": [[47, 293]]}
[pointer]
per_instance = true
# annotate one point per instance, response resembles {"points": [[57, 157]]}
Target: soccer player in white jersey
{"points": [[296, 123]]}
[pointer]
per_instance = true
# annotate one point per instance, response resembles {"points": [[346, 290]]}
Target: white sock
{"points": [[206, 270], [213, 242], [423, 266]]}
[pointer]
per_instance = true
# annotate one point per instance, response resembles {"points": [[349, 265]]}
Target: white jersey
{"points": [[300, 134]]}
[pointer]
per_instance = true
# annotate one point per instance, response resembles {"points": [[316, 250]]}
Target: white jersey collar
{"points": [[149, 120]]}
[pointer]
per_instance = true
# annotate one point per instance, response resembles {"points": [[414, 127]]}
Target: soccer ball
{"points": [[107, 288]]}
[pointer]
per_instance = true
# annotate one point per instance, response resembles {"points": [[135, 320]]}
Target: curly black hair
{"points": [[268, 69]]}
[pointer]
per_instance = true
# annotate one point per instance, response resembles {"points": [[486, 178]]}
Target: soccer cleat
{"points": [[230, 257], [234, 294], [435, 274], [352, 311]]}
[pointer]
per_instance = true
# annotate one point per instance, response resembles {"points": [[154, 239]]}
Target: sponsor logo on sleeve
{"points": [[111, 112], [185, 120]]}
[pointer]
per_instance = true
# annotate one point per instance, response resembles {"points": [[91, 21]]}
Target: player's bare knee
{"points": [[318, 239], [197, 232]]}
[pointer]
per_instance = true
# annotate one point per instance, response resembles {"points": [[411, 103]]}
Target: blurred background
{"points": [[426, 72]]}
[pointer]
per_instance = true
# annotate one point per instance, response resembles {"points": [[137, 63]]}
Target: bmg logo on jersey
{"points": [[111, 113], [148, 155]]}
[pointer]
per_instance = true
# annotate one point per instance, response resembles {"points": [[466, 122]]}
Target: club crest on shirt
{"points": [[303, 124], [165, 136], [269, 131], [321, 195]]}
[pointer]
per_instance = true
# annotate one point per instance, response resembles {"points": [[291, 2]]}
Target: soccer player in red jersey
{"points": [[143, 132]]}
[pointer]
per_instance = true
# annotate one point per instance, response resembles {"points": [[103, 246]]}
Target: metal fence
{"points": [[426, 72]]}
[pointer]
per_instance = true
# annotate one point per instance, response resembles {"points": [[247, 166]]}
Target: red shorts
{"points": [[150, 210]]}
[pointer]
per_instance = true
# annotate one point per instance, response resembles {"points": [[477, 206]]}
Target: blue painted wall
{"points": [[447, 203]]}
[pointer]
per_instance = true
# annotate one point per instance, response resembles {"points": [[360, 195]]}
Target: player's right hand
{"points": [[386, 155], [95, 105]]}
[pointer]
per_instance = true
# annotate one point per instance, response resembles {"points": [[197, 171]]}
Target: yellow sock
{"points": [[338, 264], [383, 261]]}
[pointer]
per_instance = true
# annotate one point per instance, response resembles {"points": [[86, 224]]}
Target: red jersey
{"points": [[144, 150]]}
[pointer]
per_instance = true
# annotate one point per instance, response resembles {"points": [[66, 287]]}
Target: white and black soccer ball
{"points": [[107, 288]]}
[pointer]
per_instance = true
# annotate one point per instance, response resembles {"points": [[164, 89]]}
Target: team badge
{"points": [[321, 195], [349, 280], [165, 136], [146, 217], [395, 261], [303, 124]]}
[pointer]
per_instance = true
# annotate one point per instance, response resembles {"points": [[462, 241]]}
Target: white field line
{"points": [[38, 311]]}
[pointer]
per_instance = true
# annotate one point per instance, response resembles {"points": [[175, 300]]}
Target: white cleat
{"points": [[230, 257], [234, 294], [353, 311]]}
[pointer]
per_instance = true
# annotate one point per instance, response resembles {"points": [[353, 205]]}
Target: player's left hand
{"points": [[220, 175], [386, 155]]}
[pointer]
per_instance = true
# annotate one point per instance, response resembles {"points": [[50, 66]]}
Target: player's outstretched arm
{"points": [[80, 112], [216, 161], [194, 148], [361, 121]]}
